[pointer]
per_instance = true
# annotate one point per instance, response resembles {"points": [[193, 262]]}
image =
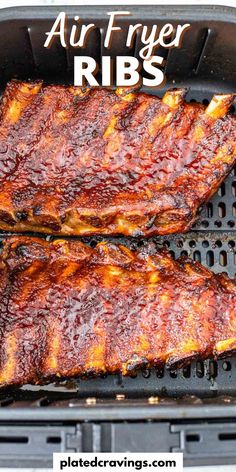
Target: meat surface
{"points": [[68, 310], [98, 161]]}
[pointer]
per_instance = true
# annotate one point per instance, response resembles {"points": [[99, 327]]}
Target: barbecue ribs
{"points": [[83, 162], [68, 310]]}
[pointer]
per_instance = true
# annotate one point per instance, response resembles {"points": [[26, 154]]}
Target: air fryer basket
{"points": [[191, 409]]}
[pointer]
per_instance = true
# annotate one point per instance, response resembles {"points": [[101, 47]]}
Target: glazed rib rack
{"points": [[68, 310], [84, 162]]}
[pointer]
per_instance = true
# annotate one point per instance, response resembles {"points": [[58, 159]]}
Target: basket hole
{"points": [[14, 439], [223, 258], [231, 244], [146, 373], [44, 401], [53, 440], [234, 209], [200, 369], [197, 256], [192, 243], [172, 254], [187, 371], [193, 100], [218, 243], [184, 253], [166, 244], [221, 191], [205, 224], [227, 436], [205, 243], [160, 373], [209, 210], [173, 374], [226, 366], [213, 369], [210, 258], [179, 243], [232, 109], [205, 101], [190, 437], [234, 189], [218, 224], [93, 244], [221, 210], [231, 223]]}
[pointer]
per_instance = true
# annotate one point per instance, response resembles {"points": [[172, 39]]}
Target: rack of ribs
{"points": [[99, 161], [67, 310]]}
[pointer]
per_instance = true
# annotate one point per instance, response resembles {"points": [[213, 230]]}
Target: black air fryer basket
{"points": [[193, 409]]}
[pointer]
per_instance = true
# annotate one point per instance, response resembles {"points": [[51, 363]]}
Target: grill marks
{"points": [[99, 161], [68, 310]]}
